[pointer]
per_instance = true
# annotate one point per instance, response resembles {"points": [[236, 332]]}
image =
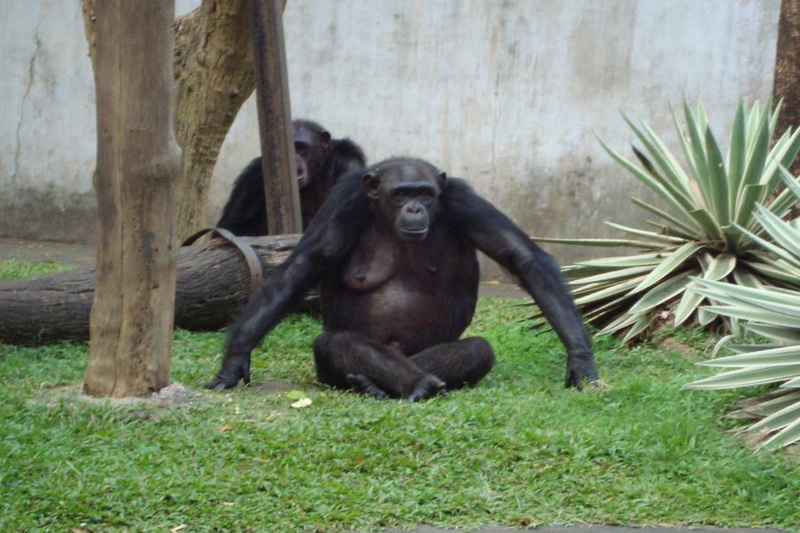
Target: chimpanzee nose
{"points": [[413, 208]]}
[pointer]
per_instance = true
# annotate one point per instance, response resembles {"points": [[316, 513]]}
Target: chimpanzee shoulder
{"points": [[347, 156], [241, 215], [346, 208], [462, 206]]}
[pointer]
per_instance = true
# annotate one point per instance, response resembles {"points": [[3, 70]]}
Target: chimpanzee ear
{"points": [[441, 179], [326, 136], [371, 183]]}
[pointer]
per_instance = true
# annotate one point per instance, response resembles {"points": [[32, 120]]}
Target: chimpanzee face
{"points": [[312, 148], [405, 194]]}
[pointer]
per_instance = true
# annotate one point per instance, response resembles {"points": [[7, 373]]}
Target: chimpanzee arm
{"points": [[326, 243], [245, 212], [497, 236]]}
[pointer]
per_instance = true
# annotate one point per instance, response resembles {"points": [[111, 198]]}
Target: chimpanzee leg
{"points": [[461, 363], [348, 360]]}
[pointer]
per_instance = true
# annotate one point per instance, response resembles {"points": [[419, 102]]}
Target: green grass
{"points": [[517, 450], [15, 269]]}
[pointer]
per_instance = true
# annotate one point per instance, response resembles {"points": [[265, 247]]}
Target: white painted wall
{"points": [[47, 123], [509, 94]]}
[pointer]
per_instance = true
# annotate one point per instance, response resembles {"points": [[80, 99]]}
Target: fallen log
{"points": [[213, 283]]}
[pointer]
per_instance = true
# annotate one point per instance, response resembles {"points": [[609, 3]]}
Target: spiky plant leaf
{"points": [[788, 435], [792, 383], [769, 404], [778, 356], [748, 377], [614, 275], [608, 243], [640, 325], [661, 293], [608, 290], [773, 313], [714, 269], [710, 210], [782, 234], [775, 333], [674, 225], [624, 261], [790, 414], [659, 239], [737, 154], [668, 267]]}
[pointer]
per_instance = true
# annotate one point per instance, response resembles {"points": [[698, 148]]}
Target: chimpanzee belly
{"points": [[411, 305]]}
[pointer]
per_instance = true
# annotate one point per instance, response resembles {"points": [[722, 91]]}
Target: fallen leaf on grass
{"points": [[303, 402]]}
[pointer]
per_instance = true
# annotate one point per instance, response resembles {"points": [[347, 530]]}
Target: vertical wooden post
{"points": [[138, 162], [274, 117]]}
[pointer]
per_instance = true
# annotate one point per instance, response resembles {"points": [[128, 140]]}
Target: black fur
{"points": [[326, 161], [394, 249]]}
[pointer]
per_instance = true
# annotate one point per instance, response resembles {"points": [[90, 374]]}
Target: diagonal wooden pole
{"points": [[274, 117]]}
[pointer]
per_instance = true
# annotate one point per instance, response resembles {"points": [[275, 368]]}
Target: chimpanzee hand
{"points": [[580, 369], [234, 367]]}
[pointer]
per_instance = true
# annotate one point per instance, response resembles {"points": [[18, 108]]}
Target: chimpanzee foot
{"points": [[364, 385], [427, 387]]}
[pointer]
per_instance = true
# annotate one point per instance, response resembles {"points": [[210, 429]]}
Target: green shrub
{"points": [[772, 314], [706, 230]]}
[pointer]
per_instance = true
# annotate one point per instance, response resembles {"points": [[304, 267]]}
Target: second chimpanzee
{"points": [[320, 161], [394, 249]]}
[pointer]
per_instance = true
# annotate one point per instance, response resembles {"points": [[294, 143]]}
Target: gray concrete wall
{"points": [[47, 121], [509, 94]]}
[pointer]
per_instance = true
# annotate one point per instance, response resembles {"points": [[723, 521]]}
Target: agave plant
{"points": [[704, 231], [771, 313]]}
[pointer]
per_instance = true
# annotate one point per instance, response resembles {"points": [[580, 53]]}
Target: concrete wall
{"points": [[47, 121], [510, 94]]}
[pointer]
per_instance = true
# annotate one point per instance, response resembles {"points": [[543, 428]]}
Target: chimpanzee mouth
{"points": [[414, 234]]}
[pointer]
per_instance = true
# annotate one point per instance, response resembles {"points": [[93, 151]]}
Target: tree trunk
{"points": [[787, 69], [214, 77], [213, 282], [138, 163]]}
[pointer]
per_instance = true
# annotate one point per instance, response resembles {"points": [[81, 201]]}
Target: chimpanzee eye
{"points": [[400, 197], [300, 147], [426, 197]]}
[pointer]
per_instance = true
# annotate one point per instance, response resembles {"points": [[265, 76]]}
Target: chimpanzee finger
{"points": [[217, 384]]}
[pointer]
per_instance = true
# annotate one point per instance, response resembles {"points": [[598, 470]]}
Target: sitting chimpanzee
{"points": [[394, 249], [320, 161]]}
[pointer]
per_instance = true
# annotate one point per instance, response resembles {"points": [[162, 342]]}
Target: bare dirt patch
{"points": [[173, 395]]}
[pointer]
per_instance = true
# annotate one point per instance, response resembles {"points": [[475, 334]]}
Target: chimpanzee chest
{"points": [[411, 295]]}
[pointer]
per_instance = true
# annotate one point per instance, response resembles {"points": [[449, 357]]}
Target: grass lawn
{"points": [[517, 450]]}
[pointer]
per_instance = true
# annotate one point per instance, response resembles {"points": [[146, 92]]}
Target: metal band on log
{"points": [[214, 281]]}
